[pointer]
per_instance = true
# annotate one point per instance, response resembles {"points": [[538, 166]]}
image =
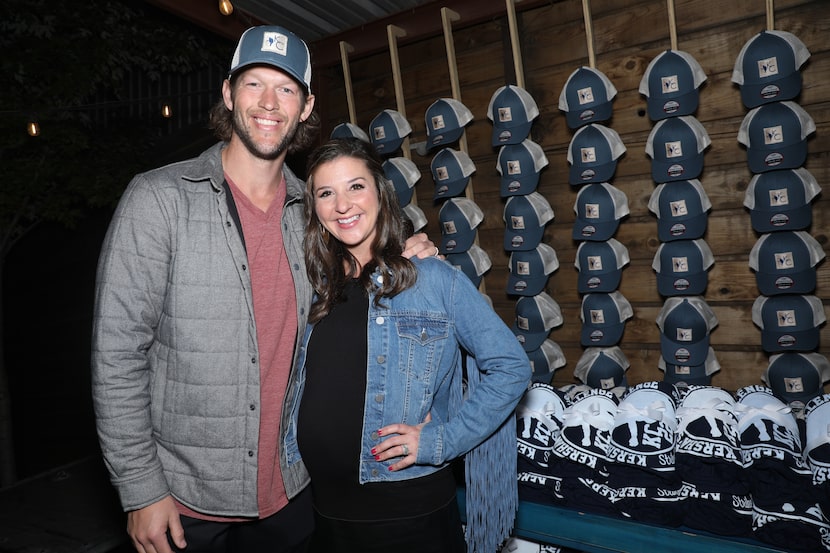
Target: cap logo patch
{"points": [[597, 316], [784, 261], [778, 198], [674, 149], [669, 84], [379, 133], [773, 135], [514, 167], [768, 67], [684, 335], [588, 155], [592, 211], [678, 208], [442, 173], [523, 268], [786, 317], [680, 264], [523, 323], [437, 122], [585, 95], [449, 227], [517, 222], [594, 263], [275, 42], [505, 114], [793, 385]]}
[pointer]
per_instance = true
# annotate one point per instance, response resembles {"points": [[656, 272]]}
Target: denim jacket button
{"points": [[374, 472], [380, 320], [374, 435], [381, 359], [379, 398]]}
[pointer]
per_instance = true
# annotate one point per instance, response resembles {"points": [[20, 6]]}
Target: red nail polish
{"points": [[390, 468], [374, 450], [377, 457], [380, 432]]}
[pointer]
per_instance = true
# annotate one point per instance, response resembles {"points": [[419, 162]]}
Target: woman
{"points": [[383, 411]]}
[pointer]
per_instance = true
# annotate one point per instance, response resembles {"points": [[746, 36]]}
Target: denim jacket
{"points": [[414, 367]]}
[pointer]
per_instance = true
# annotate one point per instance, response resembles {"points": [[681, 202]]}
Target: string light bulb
{"points": [[225, 7], [33, 128], [166, 111]]}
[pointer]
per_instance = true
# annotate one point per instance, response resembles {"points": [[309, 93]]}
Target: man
{"points": [[201, 293]]}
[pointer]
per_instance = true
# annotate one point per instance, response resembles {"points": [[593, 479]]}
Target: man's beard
{"points": [[270, 154]]}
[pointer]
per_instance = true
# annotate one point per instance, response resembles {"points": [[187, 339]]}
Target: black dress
{"points": [[418, 515]]}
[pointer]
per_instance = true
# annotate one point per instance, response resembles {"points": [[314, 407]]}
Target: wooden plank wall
{"points": [[628, 34]]}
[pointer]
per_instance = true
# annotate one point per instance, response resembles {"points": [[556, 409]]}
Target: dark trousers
{"points": [[436, 532], [287, 531]]}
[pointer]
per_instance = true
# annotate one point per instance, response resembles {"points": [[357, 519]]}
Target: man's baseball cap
{"points": [[587, 97], [682, 210], [602, 368], [519, 166], [788, 322], [459, 218], [536, 316], [415, 215], [599, 208], [451, 170], [530, 269], [445, 120], [785, 262], [671, 84], [603, 317], [544, 360], [690, 375], [797, 377], [682, 267], [767, 68], [593, 154], [685, 323], [525, 218], [676, 147], [775, 136], [780, 200], [388, 130], [348, 130], [404, 174], [512, 110], [600, 265], [275, 46], [473, 263]]}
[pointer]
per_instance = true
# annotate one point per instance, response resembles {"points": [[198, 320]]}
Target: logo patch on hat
{"points": [[275, 42], [505, 114], [438, 122], [585, 95], [767, 67]]}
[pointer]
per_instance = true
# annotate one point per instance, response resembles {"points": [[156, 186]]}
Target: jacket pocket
{"points": [[422, 340]]}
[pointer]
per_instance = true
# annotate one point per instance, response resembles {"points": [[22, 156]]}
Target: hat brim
{"points": [[519, 187], [594, 281], [686, 285], [798, 218], [579, 174], [386, 147], [801, 340], [665, 106], [523, 241], [450, 189], [530, 340], [515, 134], [677, 170], [762, 160], [609, 335], [684, 353], [593, 231], [796, 282], [691, 228], [520, 285], [457, 243], [771, 90], [589, 114]]}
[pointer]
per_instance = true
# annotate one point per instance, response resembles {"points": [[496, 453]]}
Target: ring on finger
{"points": [[405, 449]]}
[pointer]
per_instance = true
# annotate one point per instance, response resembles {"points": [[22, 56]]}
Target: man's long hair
{"points": [[327, 258], [221, 121]]}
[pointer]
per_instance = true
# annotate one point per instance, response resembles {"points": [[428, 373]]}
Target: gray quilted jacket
{"points": [[174, 330]]}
